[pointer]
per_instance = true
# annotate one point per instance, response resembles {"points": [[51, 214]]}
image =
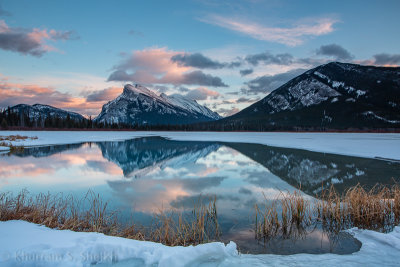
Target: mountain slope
{"points": [[335, 95], [37, 111], [139, 105]]}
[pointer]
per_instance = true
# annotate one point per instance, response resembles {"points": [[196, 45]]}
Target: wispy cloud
{"points": [[31, 41], [292, 36], [202, 93]]}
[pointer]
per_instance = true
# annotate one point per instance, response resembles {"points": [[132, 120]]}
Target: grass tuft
{"points": [[91, 214], [290, 214]]}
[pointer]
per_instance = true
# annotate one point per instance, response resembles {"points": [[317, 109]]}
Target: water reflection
{"points": [[141, 156], [142, 175], [311, 170]]}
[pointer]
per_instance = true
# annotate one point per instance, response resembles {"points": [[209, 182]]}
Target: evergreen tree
{"points": [[4, 124]]}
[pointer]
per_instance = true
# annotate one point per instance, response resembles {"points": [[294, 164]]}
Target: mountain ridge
{"points": [[37, 111], [336, 95]]}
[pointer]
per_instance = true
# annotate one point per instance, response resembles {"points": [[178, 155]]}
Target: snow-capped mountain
{"points": [[139, 105], [337, 95], [37, 111]]}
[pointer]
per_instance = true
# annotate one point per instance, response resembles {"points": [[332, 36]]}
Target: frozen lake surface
{"points": [[385, 145], [139, 172]]}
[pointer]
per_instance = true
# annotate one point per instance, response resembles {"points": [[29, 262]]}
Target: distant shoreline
{"points": [[228, 131], [366, 144]]}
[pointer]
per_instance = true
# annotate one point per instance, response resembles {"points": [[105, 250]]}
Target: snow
{"points": [[308, 92], [360, 93], [322, 76], [312, 92], [369, 145], [336, 181], [336, 84], [371, 113], [30, 244], [277, 102], [334, 100]]}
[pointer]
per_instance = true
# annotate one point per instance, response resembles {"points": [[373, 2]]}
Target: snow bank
{"points": [[370, 145], [24, 243], [28, 244]]}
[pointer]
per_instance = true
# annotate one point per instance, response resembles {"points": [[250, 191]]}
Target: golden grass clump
{"points": [[375, 209], [16, 137], [177, 229], [6, 141], [91, 214], [290, 214]]}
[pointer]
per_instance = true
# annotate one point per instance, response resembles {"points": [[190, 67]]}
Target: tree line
{"points": [[12, 119]]}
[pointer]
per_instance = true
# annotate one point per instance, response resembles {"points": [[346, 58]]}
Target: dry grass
{"points": [[90, 214], [290, 215], [6, 141], [375, 209], [16, 137], [177, 229]]}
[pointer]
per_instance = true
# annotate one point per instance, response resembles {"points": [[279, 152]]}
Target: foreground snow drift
{"points": [[28, 244], [369, 145]]}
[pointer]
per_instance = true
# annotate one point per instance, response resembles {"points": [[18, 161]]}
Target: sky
{"points": [[78, 55]]}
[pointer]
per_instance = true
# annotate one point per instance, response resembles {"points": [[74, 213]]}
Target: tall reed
{"points": [[291, 214], [91, 214]]}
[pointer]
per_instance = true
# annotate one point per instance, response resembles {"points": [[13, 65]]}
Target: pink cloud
{"points": [[155, 66], [16, 93], [30, 41], [103, 95], [291, 36]]}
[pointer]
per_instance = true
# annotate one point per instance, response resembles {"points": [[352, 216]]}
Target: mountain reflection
{"points": [[139, 156], [310, 170], [147, 156]]}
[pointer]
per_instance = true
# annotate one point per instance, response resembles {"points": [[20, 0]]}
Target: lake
{"points": [[141, 176]]}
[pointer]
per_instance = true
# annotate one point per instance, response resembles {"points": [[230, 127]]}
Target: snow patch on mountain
{"points": [[302, 94], [372, 114]]}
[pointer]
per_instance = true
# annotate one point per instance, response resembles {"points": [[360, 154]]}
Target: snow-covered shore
{"points": [[28, 244], [370, 145]]}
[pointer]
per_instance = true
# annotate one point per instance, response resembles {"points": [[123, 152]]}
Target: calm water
{"points": [[140, 176]]}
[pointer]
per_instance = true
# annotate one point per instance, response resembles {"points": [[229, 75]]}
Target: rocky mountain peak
{"points": [[139, 105]]}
